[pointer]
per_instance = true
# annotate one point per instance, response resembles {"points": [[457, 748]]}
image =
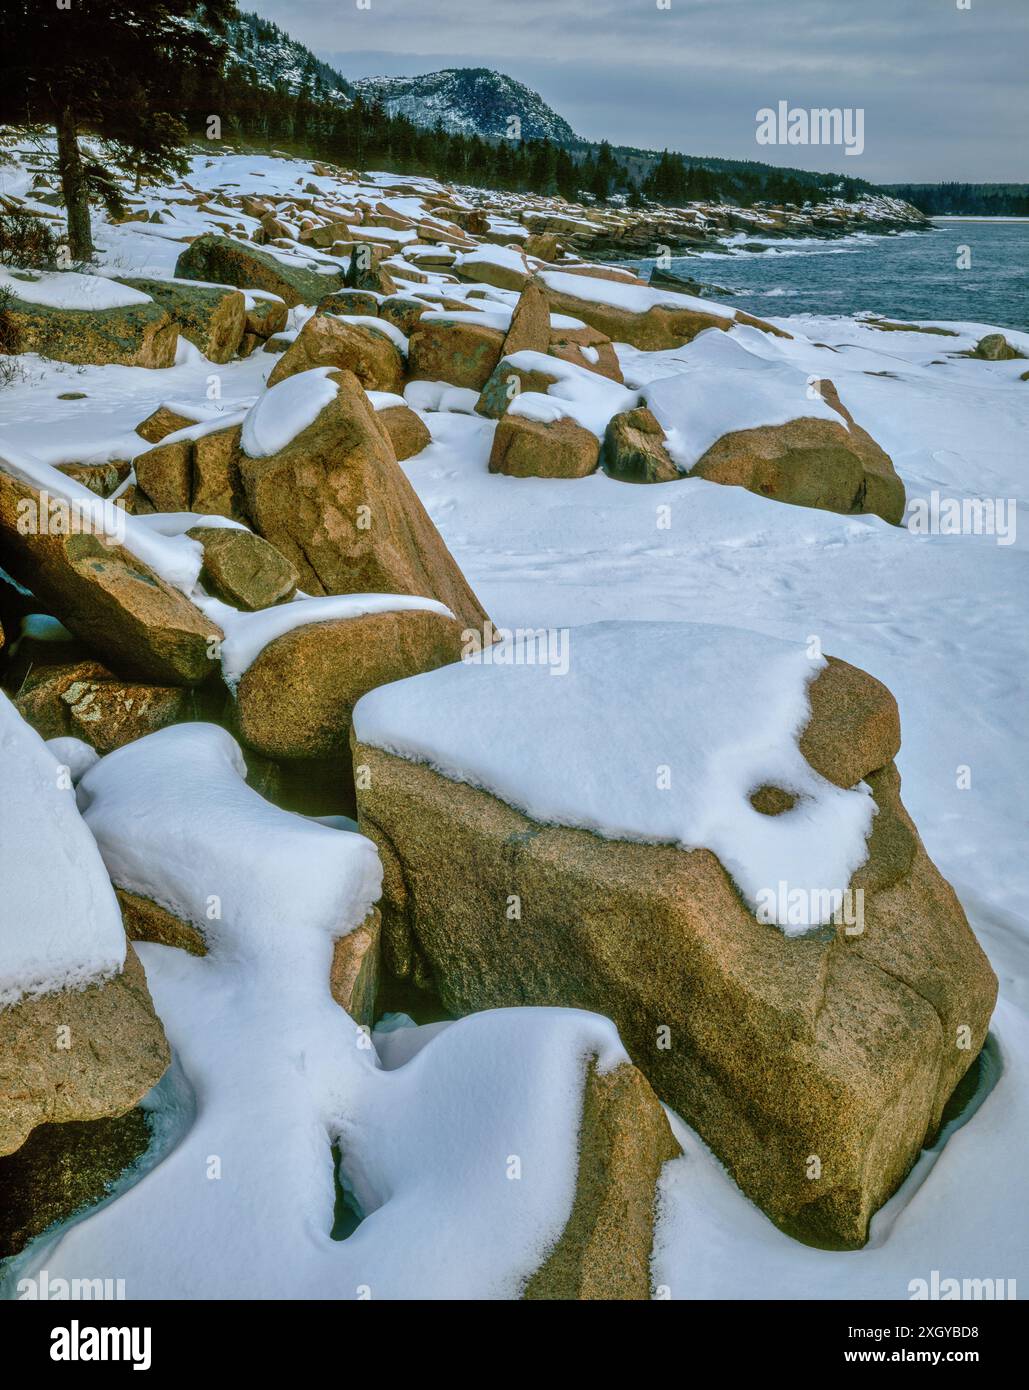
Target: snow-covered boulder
{"points": [[512, 376], [751, 905], [107, 595], [295, 699], [86, 319], [543, 387], [501, 266], [834, 465], [734, 417], [110, 1051], [212, 317], [321, 483], [221, 260], [647, 318], [326, 340], [79, 1038]]}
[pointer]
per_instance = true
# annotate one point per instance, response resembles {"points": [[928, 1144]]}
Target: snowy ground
{"points": [[939, 618]]}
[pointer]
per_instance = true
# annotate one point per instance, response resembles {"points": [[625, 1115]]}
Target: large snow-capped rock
{"points": [[697, 832], [103, 590], [78, 1035], [733, 415], [85, 319], [320, 481]]}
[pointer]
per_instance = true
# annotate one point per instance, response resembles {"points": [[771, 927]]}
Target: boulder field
{"points": [[271, 761]]}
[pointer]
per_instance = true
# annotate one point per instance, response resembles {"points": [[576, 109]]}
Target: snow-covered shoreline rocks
{"points": [[79, 1038], [529, 1125], [555, 447], [319, 568], [646, 318], [83, 319], [333, 500], [777, 1042], [108, 596]]}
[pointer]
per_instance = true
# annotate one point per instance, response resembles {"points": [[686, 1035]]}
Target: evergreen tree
{"points": [[667, 181], [93, 66], [604, 170]]}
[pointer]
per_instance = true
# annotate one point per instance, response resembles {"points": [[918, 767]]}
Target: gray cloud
{"points": [[943, 88]]}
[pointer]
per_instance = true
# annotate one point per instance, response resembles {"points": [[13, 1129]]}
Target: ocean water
{"points": [[913, 275]]}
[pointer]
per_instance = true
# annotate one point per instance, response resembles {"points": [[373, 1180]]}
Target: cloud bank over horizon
{"points": [[942, 87]]}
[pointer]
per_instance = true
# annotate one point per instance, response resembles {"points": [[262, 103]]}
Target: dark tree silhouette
{"points": [[105, 68]]}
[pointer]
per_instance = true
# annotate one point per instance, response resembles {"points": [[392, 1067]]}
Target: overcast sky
{"points": [[943, 88]]}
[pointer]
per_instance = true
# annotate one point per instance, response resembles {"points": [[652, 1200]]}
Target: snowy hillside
{"points": [[472, 101], [267, 57]]}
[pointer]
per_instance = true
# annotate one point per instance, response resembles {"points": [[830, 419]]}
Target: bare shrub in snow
{"points": [[10, 370]]}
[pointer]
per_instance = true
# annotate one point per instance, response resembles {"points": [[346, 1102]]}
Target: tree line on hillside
{"points": [[146, 75], [973, 199], [365, 135]]}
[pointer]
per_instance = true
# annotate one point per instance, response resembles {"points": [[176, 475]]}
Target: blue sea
{"points": [[912, 275]]}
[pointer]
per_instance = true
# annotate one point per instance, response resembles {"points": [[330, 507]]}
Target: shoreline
{"points": [[973, 217]]}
